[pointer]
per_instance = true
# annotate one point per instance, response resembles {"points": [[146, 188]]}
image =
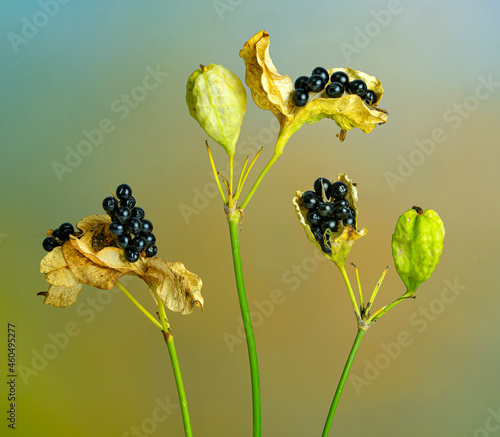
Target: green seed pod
{"points": [[417, 244], [217, 100]]}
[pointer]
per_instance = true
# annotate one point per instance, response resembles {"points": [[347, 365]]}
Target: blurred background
{"points": [[71, 71]]}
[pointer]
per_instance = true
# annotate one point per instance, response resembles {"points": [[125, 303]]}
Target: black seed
{"points": [[334, 90], [57, 234], [123, 213], [310, 200], [151, 251], [338, 190], [139, 243], [340, 77], [123, 191], [131, 255], [301, 82], [133, 225], [110, 204], [341, 213], [116, 228], [323, 72], [340, 202], [331, 224], [357, 87], [315, 83], [50, 243], [123, 240], [325, 209], [370, 97], [150, 239], [350, 221], [300, 97], [147, 226], [138, 212], [65, 230], [322, 185], [314, 218], [129, 203]]}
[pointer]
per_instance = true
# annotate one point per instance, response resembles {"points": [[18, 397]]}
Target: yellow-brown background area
{"points": [[109, 378]]}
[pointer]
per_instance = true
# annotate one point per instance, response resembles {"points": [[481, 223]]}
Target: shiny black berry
{"points": [[331, 224], [340, 202], [314, 218], [131, 255], [299, 97], [334, 90], [317, 232], [340, 77], [301, 82], [310, 200], [315, 83], [138, 213], [110, 204], [50, 243], [123, 213], [150, 239], [325, 248], [338, 190], [129, 203], [321, 185], [57, 234], [350, 221], [123, 191], [123, 240], [65, 230], [133, 225], [323, 72], [357, 87], [147, 226], [341, 213], [116, 228], [325, 209], [139, 243], [370, 97], [151, 251]]}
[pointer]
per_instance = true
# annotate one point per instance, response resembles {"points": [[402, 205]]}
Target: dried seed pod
{"points": [[417, 244], [217, 100], [272, 91], [340, 242]]}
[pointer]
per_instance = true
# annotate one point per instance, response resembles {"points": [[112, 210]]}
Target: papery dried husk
{"points": [[272, 91], [177, 287], [340, 242], [61, 296]]}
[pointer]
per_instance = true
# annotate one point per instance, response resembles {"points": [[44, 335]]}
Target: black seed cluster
{"points": [[334, 86], [58, 236], [327, 208], [133, 232]]}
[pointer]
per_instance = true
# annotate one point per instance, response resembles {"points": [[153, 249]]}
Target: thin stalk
{"points": [[234, 219], [273, 159], [240, 179], [349, 289], [248, 172], [216, 176], [375, 291], [231, 171], [383, 310], [169, 339], [343, 379], [361, 303], [138, 305]]}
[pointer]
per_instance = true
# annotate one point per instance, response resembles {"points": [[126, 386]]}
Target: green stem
{"points": [[234, 220], [383, 310], [343, 379], [259, 179], [349, 288], [138, 305], [169, 339]]}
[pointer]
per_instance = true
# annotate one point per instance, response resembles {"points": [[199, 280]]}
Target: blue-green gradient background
{"points": [[111, 376]]}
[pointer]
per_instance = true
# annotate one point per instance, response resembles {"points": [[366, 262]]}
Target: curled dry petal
{"points": [[62, 296], [177, 287], [341, 242], [272, 91]]}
